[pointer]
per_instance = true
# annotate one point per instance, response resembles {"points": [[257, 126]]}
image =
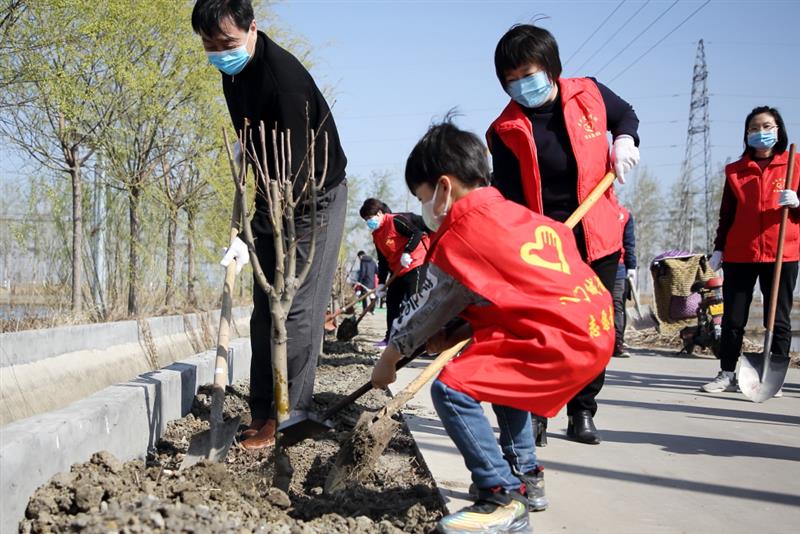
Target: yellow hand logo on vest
{"points": [[544, 236]]}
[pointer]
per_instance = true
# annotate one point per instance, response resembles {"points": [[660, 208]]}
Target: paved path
{"points": [[672, 460]]}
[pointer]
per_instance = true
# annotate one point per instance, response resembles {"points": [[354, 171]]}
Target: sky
{"points": [[393, 67]]}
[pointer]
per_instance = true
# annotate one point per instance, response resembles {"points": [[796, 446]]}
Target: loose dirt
{"points": [[105, 495]]}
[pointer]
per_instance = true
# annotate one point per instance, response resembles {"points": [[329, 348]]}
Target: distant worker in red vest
{"points": [[626, 278], [747, 238], [402, 243], [540, 321], [549, 149]]}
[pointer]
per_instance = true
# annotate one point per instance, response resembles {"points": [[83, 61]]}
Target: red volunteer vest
{"points": [[753, 236], [585, 117], [392, 244], [548, 330]]}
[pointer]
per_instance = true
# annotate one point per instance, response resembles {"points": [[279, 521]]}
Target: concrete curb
{"points": [[43, 370], [125, 419]]}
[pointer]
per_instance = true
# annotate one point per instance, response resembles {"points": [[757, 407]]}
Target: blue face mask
{"points": [[373, 223], [531, 91], [763, 139], [231, 62]]}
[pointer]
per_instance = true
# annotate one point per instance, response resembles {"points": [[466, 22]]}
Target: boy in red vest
{"points": [[541, 323]]}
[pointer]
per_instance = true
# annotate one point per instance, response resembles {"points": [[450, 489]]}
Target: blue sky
{"points": [[395, 66]]}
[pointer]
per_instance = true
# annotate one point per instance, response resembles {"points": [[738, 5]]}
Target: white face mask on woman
{"points": [[432, 220]]}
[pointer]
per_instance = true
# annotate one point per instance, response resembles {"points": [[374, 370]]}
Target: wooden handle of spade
{"points": [[598, 191]]}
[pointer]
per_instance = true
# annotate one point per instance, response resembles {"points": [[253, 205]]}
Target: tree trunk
{"points": [[172, 231], [133, 251], [191, 296], [77, 229]]}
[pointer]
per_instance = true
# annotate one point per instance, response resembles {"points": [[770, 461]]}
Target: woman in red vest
{"points": [[540, 321], [549, 149], [747, 238], [402, 244]]}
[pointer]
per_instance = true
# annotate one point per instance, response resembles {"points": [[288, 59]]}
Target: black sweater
{"points": [[275, 88], [557, 166]]}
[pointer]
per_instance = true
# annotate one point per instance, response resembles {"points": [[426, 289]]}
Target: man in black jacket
{"points": [[367, 272], [266, 84]]}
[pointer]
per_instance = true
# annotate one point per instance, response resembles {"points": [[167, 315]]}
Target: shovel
{"points": [[762, 375], [213, 444], [300, 427], [373, 430], [643, 316], [330, 325], [349, 327]]}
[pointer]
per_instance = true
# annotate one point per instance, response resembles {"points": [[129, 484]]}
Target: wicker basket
{"points": [[673, 277]]}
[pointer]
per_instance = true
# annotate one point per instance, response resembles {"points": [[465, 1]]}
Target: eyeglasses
{"points": [[762, 128]]}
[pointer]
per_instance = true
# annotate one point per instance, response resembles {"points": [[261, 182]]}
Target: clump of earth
{"points": [[106, 495]]}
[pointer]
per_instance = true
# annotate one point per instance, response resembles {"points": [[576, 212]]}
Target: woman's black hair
{"points": [[207, 14], [445, 149], [371, 207], [783, 137], [525, 44]]}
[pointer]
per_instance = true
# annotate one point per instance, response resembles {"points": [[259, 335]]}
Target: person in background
{"points": [[402, 243], [263, 82], [534, 344], [626, 277], [367, 271], [549, 149], [747, 238]]}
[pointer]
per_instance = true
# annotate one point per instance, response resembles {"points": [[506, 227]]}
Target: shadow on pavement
{"points": [[740, 415]]}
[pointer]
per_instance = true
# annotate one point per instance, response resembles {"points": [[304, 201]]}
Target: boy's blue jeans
{"points": [[468, 427]]}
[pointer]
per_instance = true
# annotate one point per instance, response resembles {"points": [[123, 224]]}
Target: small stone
{"points": [[316, 491], [39, 504], [192, 498], [157, 520], [103, 507], [107, 460], [278, 498], [88, 496]]}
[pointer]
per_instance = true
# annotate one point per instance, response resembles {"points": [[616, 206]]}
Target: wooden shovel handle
{"points": [[429, 372], [598, 191], [776, 277], [356, 301]]}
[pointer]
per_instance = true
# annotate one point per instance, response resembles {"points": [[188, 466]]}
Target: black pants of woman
{"points": [[400, 289], [737, 293]]}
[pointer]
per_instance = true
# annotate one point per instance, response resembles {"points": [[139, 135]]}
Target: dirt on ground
{"points": [[106, 495]]}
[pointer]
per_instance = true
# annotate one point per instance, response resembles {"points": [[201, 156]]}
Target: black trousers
{"points": [[400, 289], [307, 314], [620, 294], [737, 294], [606, 269]]}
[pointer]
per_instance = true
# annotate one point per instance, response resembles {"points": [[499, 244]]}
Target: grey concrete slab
{"points": [[125, 419], [673, 460]]}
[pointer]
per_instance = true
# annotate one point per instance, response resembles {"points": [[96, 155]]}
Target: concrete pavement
{"points": [[672, 461]]}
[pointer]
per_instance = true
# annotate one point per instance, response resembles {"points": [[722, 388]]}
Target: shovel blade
{"points": [[644, 320], [759, 382], [212, 444], [347, 330], [300, 427]]}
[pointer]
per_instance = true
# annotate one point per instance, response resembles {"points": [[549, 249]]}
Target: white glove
{"points": [[381, 291], [716, 260], [237, 252], [787, 197], [405, 259], [624, 156], [631, 274]]}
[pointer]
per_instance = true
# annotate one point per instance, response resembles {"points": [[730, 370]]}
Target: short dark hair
{"points": [[524, 44], [783, 137], [207, 14], [360, 253], [372, 206], [445, 149]]}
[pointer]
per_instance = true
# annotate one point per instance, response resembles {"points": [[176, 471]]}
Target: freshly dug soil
{"points": [[105, 495]]}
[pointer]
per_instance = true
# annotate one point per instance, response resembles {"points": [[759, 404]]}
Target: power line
{"points": [[611, 37], [594, 32], [636, 38], [673, 30]]}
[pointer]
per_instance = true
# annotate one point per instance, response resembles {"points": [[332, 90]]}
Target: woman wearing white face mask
{"points": [[747, 238], [549, 149], [402, 243]]}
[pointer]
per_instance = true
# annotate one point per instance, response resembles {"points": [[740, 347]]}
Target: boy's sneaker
{"points": [[534, 489], [495, 511], [725, 381]]}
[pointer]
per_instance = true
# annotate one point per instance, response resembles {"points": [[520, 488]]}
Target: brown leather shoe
{"points": [[252, 430], [264, 438]]}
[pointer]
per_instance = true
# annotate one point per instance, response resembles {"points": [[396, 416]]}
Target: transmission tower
{"points": [[696, 167]]}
